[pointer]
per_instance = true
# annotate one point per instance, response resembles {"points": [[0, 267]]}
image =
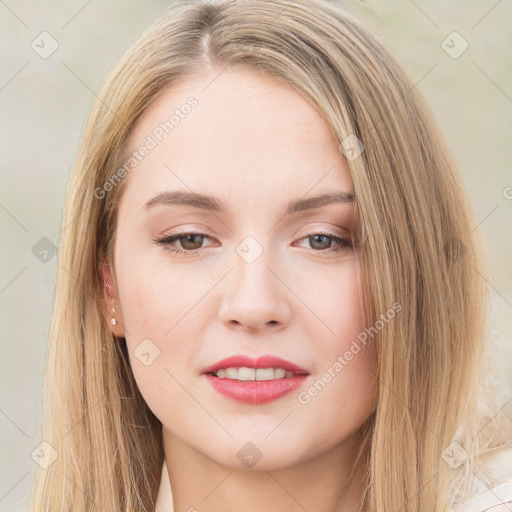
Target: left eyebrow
{"points": [[212, 203], [312, 203]]}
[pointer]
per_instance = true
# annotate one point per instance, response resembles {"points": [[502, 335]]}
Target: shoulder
{"points": [[496, 499], [492, 489]]}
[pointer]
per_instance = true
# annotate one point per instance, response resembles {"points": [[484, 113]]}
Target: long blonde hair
{"points": [[420, 250]]}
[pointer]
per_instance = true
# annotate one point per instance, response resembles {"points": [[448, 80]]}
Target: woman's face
{"points": [[266, 272]]}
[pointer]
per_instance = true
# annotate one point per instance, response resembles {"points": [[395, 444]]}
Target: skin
{"points": [[256, 144]]}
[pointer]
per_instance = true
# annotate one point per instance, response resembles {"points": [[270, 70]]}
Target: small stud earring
{"points": [[113, 321]]}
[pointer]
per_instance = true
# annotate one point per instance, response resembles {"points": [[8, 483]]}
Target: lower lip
{"points": [[255, 391]]}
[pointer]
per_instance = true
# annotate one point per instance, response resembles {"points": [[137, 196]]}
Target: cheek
{"points": [[335, 300], [346, 305], [345, 385], [152, 311], [343, 395], [155, 302]]}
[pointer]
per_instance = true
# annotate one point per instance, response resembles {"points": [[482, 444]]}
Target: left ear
{"points": [[111, 306]]}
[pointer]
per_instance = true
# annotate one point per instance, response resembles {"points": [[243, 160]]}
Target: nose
{"points": [[255, 298]]}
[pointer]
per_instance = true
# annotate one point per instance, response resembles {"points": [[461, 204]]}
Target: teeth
{"points": [[254, 373], [279, 373], [246, 373], [231, 373]]}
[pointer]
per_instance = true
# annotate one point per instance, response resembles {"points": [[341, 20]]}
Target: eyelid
{"points": [[341, 243], [332, 231], [310, 231], [186, 230]]}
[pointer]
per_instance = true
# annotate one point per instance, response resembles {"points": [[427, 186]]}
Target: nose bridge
{"points": [[252, 276], [254, 295]]}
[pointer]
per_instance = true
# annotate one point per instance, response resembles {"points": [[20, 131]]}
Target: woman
{"points": [[269, 292]]}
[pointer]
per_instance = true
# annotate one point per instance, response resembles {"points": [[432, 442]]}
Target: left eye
{"points": [[340, 244], [192, 242]]}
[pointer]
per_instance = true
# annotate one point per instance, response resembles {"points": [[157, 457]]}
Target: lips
{"points": [[267, 361], [255, 391]]}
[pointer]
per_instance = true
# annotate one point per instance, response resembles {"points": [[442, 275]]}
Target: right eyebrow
{"points": [[194, 199]]}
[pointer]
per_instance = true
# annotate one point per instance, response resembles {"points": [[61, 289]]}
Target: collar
{"points": [[164, 499]]}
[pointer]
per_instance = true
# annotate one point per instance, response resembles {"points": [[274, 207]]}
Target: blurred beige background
{"points": [[45, 98]]}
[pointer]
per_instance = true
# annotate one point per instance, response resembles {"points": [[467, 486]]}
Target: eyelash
{"points": [[166, 242]]}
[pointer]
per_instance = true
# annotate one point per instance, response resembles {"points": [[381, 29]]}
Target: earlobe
{"points": [[108, 282], [111, 305]]}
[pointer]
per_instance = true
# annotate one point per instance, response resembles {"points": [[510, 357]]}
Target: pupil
{"points": [[317, 237], [190, 238]]}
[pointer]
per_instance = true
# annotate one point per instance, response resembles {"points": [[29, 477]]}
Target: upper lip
{"points": [[266, 361]]}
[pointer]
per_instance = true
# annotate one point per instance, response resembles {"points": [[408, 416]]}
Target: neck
{"points": [[329, 482]]}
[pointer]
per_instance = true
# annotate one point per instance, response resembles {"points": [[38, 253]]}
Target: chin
{"points": [[255, 453]]}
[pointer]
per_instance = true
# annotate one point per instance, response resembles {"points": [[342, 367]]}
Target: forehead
{"points": [[231, 134]]}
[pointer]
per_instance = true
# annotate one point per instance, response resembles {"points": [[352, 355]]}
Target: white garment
{"points": [[496, 499], [164, 499], [492, 493]]}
